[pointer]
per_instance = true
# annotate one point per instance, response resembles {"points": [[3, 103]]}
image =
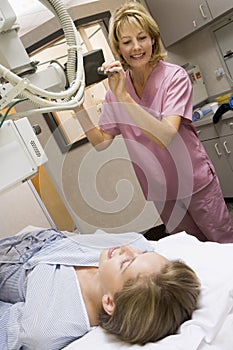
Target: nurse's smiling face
{"points": [[135, 45], [118, 265]]}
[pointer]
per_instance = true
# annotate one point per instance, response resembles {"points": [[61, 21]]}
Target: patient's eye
{"points": [[124, 262]]}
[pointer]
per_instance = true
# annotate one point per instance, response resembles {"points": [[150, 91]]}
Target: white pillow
{"points": [[213, 319]]}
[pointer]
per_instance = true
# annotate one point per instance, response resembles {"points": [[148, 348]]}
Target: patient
{"points": [[55, 288]]}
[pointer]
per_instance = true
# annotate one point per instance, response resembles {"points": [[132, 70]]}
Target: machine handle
{"points": [[217, 150], [226, 148], [202, 11]]}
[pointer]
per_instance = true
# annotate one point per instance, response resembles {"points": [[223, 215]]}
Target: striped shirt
{"points": [[41, 305]]}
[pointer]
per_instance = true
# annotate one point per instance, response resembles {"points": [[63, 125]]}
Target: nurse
{"points": [[149, 103]]}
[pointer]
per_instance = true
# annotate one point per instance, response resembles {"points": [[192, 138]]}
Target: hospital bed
{"points": [[211, 327]]}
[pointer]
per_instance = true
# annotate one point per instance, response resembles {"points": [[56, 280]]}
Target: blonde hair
{"points": [[152, 307], [134, 13]]}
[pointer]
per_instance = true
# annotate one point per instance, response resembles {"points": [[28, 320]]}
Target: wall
{"points": [[20, 208], [78, 11], [200, 49], [113, 200], [99, 189]]}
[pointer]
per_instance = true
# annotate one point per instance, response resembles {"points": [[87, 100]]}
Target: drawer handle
{"points": [[231, 125], [198, 132], [217, 150], [226, 148], [202, 11]]}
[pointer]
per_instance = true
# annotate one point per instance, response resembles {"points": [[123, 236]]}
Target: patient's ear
{"points": [[108, 304]]}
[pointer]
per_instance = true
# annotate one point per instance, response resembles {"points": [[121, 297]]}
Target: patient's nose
{"points": [[126, 249]]}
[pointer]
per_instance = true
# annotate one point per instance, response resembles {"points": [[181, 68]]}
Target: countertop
{"points": [[208, 119]]}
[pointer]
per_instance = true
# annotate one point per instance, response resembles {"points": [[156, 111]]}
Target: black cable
{"points": [[225, 107]]}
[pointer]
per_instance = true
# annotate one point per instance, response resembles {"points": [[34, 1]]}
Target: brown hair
{"points": [[134, 13], [152, 307]]}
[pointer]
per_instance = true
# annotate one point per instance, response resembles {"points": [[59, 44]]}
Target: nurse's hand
{"points": [[116, 78]]}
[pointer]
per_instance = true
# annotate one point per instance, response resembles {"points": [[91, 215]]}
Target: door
{"points": [[224, 38]]}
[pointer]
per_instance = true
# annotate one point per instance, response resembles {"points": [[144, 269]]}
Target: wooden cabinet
{"points": [[218, 143], [179, 18], [52, 200]]}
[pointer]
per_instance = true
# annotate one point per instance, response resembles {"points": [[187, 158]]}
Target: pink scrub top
{"points": [[183, 168]]}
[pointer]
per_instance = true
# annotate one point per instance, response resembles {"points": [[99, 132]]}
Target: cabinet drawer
{"points": [[206, 132], [225, 127]]}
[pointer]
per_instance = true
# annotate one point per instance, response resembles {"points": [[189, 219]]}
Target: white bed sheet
{"points": [[211, 327]]}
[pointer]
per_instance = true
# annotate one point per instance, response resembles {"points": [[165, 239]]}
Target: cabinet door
{"points": [[218, 7], [178, 18], [225, 126], [206, 132], [227, 143], [217, 153]]}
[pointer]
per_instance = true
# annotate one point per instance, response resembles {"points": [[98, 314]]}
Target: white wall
{"points": [[200, 49], [20, 208]]}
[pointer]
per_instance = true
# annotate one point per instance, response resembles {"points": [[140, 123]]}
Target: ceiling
{"points": [[32, 13]]}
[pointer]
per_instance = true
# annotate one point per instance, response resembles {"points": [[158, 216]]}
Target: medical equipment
{"points": [[54, 89], [199, 89], [20, 153], [18, 73]]}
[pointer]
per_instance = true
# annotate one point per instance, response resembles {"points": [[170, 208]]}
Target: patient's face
{"points": [[119, 264]]}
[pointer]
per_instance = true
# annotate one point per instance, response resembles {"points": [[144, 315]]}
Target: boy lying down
{"points": [[54, 288]]}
